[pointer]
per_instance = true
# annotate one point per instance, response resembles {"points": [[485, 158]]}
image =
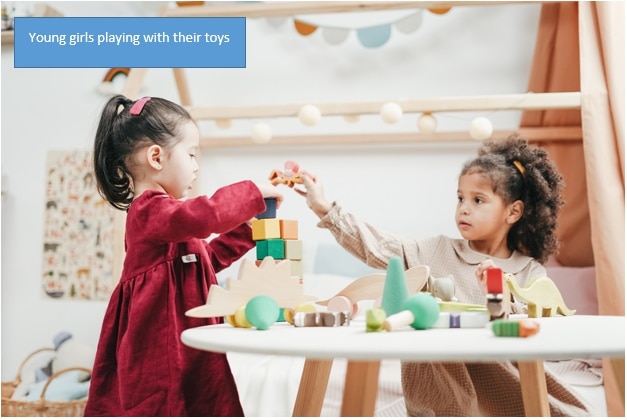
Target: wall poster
{"points": [[78, 231]]}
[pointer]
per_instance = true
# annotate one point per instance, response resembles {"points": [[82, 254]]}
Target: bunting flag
{"points": [[369, 35]]}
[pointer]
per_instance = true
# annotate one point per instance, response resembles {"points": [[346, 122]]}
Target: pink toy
{"points": [[290, 176]]}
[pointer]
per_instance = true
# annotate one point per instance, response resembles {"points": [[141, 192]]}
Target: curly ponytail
{"points": [[519, 171]]}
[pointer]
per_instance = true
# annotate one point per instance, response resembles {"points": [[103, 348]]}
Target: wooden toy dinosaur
{"points": [[542, 296], [271, 278]]}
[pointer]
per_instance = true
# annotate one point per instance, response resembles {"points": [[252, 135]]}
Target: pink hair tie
{"points": [[137, 107]]}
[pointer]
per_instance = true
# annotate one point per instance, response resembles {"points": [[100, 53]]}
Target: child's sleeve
{"points": [[200, 217], [229, 247], [371, 245]]}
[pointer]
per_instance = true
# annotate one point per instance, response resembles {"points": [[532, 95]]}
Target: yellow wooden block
{"points": [[266, 229], [293, 250], [289, 229]]}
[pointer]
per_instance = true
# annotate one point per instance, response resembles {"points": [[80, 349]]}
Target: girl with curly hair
{"points": [[508, 198]]}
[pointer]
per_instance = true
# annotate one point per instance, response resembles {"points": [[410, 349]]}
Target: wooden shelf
{"points": [[293, 8], [524, 101], [39, 10], [561, 134]]}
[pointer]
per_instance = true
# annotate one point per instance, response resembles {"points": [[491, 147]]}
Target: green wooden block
{"points": [[274, 248]]}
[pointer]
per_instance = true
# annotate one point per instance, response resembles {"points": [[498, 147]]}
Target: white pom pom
{"points": [[427, 123], [391, 112], [223, 123], [262, 133], [351, 118], [309, 115], [480, 128]]}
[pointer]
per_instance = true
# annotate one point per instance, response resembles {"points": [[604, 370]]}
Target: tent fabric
{"points": [[580, 47]]}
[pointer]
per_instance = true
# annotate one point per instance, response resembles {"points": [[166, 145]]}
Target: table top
{"points": [[560, 337]]}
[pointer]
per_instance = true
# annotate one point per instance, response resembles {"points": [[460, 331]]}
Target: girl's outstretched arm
{"points": [[314, 193]]}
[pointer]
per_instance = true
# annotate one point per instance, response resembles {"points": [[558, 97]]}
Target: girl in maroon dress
{"points": [[145, 163]]}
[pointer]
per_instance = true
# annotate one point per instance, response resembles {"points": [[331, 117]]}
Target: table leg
{"points": [[618, 367], [313, 386], [533, 386], [360, 388]]}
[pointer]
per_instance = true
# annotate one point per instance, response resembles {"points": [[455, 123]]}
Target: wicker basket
{"points": [[40, 408]]}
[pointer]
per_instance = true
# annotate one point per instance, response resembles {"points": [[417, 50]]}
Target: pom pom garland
{"points": [[391, 112], [480, 128], [262, 133], [309, 115], [351, 118], [427, 123], [223, 123]]}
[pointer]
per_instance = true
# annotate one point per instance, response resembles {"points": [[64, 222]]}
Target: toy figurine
{"points": [[542, 296], [497, 301], [289, 176], [420, 311], [520, 328], [321, 319], [375, 318]]}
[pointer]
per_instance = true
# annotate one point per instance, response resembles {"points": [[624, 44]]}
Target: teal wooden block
{"points": [[274, 248]]}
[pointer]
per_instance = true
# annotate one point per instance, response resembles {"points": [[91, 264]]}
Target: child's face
{"points": [[180, 166], [481, 214]]}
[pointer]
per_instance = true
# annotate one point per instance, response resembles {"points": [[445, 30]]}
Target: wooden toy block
{"points": [[274, 248], [375, 318], [266, 229], [293, 249], [303, 307], [343, 304], [464, 319], [289, 229], [497, 301], [494, 280], [270, 212], [542, 296], [296, 268], [321, 319], [521, 328]]}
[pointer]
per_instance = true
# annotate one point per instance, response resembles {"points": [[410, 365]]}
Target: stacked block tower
{"points": [[278, 238]]}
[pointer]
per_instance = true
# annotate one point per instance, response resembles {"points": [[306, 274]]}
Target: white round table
{"points": [[570, 337]]}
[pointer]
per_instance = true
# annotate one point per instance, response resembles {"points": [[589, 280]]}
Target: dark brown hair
{"points": [[120, 134], [519, 171]]}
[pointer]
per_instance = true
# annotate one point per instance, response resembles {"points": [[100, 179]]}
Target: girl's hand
{"points": [[481, 274], [314, 192], [269, 190]]}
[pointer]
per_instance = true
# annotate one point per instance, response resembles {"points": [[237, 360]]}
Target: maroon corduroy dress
{"points": [[142, 368]]}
